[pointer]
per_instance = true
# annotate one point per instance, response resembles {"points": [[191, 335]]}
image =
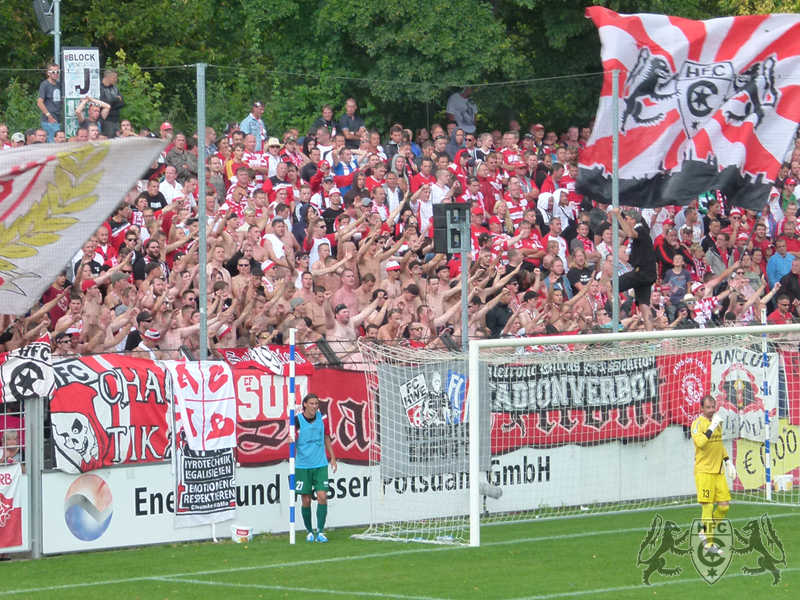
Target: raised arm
{"points": [[713, 283]]}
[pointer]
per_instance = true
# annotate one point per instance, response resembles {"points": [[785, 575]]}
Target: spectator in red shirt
{"points": [[781, 315]]}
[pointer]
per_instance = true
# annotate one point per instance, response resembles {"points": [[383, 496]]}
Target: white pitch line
{"points": [[641, 587], [282, 588], [301, 563]]}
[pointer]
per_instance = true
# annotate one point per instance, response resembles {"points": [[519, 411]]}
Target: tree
{"points": [[20, 111], [142, 95]]}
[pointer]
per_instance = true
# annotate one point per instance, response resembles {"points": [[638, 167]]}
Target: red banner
{"points": [[10, 510], [790, 361], [685, 379], [109, 410], [343, 397], [270, 359]]}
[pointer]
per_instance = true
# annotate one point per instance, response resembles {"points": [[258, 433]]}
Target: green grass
{"points": [[590, 557]]}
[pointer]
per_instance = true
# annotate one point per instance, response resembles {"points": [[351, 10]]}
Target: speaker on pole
{"points": [[44, 14]]}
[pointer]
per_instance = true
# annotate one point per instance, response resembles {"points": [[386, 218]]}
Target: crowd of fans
{"points": [[329, 231]]}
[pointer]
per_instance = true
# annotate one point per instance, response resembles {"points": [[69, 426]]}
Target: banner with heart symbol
{"points": [[205, 400]]}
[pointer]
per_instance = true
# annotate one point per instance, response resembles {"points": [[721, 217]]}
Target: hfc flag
{"points": [[703, 105], [27, 372], [53, 197]]}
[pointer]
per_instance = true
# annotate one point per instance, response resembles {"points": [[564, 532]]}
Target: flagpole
{"points": [[615, 200], [202, 254], [292, 434]]}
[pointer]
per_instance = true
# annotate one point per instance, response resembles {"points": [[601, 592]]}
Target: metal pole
{"points": [[464, 296], [201, 208], [615, 201], [765, 391], [473, 408], [57, 32], [34, 454], [292, 435]]}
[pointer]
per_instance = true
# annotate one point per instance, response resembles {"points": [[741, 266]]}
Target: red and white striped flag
{"points": [[704, 105]]}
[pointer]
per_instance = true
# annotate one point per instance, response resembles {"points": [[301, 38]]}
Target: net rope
{"points": [[537, 472]]}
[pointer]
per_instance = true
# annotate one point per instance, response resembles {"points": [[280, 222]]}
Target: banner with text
{"points": [[26, 373], [270, 359], [205, 486], [262, 421], [424, 420], [736, 378], [109, 410], [573, 402]]}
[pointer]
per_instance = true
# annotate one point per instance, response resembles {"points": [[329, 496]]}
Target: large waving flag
{"points": [[704, 105], [52, 199]]}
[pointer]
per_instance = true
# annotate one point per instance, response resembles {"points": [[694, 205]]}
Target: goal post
{"points": [[569, 425]]}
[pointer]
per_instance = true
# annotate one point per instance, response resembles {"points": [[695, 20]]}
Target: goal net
{"points": [[571, 426]]}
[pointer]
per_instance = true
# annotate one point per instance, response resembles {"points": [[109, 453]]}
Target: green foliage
{"points": [[142, 95], [400, 60], [18, 102]]}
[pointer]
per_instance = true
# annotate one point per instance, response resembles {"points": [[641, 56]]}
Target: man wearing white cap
{"points": [[149, 344], [253, 125], [335, 209], [268, 277]]}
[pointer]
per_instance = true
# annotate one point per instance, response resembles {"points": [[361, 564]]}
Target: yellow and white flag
{"points": [[52, 199]]}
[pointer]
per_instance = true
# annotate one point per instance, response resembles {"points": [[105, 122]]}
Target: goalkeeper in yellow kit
{"points": [[709, 459]]}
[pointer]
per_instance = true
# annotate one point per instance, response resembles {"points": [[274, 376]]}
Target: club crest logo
{"points": [[711, 567], [694, 376], [434, 404], [700, 91], [665, 537]]}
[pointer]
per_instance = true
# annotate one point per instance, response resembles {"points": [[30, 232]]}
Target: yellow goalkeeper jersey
{"points": [[709, 454]]}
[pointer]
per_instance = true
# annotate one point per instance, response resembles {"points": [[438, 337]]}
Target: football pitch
{"points": [[586, 557]]}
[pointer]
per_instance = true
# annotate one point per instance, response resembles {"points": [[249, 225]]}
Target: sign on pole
{"points": [[81, 77]]}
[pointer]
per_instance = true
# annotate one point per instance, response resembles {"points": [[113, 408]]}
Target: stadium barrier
{"points": [[125, 495]]}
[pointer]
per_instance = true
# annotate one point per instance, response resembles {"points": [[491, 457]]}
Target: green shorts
{"points": [[307, 481]]}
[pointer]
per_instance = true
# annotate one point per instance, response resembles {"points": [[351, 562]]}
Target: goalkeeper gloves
{"points": [[730, 469], [715, 422]]}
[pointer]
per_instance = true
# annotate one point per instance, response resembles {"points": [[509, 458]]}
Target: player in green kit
{"points": [[311, 468]]}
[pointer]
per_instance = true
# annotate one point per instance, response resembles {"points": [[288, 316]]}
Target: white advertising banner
{"points": [[131, 506]]}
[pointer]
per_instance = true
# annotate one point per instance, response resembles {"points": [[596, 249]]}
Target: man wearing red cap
{"points": [[148, 347], [538, 137], [738, 223], [501, 242]]}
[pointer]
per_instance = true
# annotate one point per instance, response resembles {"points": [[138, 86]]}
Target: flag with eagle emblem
{"points": [[703, 105]]}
